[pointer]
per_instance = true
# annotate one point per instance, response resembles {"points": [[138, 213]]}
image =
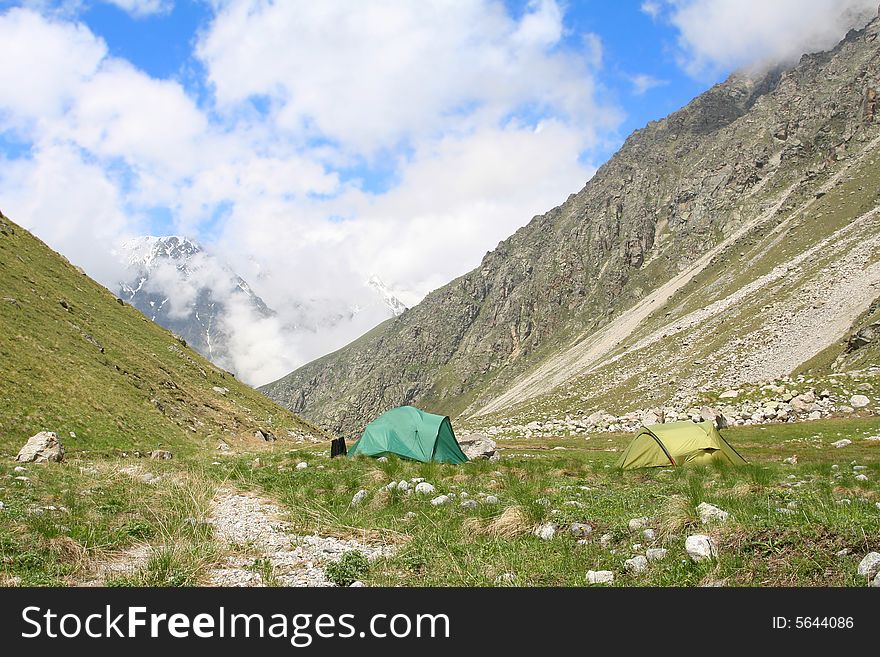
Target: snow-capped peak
{"points": [[394, 304], [143, 251]]}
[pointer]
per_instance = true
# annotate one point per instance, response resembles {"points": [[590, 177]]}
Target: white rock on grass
{"points": [[637, 524], [656, 554], [490, 499], [356, 584], [859, 401], [424, 488], [861, 477], [841, 443], [700, 547], [870, 565], [18, 468], [637, 564], [302, 465], [876, 581], [358, 497], [468, 504], [580, 530], [791, 460], [382, 459], [605, 540], [711, 513], [600, 577], [403, 484], [440, 500], [2, 506], [649, 534], [546, 531], [41, 448]]}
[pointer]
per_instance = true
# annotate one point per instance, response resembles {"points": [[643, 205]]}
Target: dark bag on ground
{"points": [[338, 448]]}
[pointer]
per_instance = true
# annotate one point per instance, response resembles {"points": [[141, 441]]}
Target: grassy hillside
{"points": [[74, 359]]}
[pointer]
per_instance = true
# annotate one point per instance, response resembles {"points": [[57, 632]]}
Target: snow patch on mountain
{"points": [[394, 304], [182, 286]]}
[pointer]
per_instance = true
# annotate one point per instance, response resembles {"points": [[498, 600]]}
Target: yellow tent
{"points": [[678, 443]]}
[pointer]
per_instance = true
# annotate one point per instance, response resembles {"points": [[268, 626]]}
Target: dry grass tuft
{"points": [[67, 550], [472, 526], [513, 521], [380, 499], [675, 516], [743, 489], [376, 476]]}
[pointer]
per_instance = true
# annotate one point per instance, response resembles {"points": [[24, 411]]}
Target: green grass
{"points": [[68, 517], [452, 546], [827, 510]]}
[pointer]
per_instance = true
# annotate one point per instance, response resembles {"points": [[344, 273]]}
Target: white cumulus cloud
{"points": [[720, 35], [141, 8]]}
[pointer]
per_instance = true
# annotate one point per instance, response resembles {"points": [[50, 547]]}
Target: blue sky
{"points": [[315, 144]]}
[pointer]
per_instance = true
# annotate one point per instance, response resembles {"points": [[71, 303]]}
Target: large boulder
{"points": [[477, 446], [41, 448], [859, 401], [261, 434], [803, 403], [650, 417], [714, 415]]}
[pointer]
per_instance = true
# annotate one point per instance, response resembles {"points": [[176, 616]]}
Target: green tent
{"points": [[410, 434], [678, 443]]}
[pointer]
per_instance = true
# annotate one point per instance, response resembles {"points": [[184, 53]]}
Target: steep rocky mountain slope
{"points": [[734, 241], [79, 362]]}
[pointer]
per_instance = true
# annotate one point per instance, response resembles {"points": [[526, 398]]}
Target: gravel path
{"points": [[245, 521]]}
